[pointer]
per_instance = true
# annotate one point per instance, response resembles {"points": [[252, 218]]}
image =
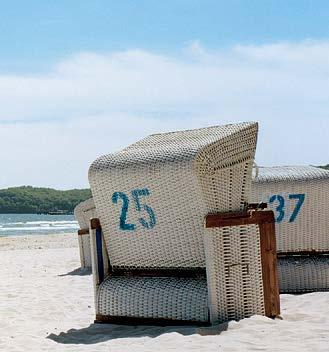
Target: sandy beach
{"points": [[46, 304]]}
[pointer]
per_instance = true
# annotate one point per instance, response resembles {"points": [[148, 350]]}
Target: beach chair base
{"points": [[170, 299], [303, 273], [108, 319], [173, 296]]}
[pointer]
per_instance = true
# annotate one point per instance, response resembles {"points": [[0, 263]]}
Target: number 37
{"points": [[280, 209]]}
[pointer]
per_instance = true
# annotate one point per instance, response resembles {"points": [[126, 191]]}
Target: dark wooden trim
{"points": [[95, 224], [109, 319], [239, 218], [83, 232], [303, 254], [269, 269], [160, 272], [257, 206]]}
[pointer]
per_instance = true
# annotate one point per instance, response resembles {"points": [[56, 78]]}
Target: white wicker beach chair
{"points": [[83, 212], [156, 255], [299, 198]]}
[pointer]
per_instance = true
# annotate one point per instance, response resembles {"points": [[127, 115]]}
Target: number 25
{"points": [[136, 194]]}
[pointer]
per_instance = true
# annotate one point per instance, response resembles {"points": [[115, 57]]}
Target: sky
{"points": [[79, 79]]}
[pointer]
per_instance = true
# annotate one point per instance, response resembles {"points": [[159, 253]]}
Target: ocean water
{"points": [[35, 224]]}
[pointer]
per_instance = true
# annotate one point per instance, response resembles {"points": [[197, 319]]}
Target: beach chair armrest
{"points": [[251, 269]]}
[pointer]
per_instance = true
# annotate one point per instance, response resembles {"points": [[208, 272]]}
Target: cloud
{"points": [[53, 125]]}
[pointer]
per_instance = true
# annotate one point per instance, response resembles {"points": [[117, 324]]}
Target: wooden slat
{"points": [[238, 218], [269, 269], [83, 232], [313, 253], [257, 206], [161, 272], [145, 321]]}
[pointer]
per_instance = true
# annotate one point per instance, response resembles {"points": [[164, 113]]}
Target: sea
{"points": [[36, 224]]}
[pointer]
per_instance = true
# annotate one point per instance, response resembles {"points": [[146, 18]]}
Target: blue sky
{"points": [[83, 78], [34, 34]]}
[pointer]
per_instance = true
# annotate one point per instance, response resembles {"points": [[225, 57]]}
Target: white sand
{"points": [[46, 304]]}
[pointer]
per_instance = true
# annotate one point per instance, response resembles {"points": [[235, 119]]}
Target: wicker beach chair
{"points": [[298, 196], [157, 256], [83, 212]]}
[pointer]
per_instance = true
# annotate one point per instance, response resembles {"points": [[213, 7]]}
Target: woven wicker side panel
{"points": [[227, 189], [85, 252], [81, 212], [303, 274], [310, 229], [89, 214], [224, 171], [168, 298], [225, 184], [234, 272], [78, 214]]}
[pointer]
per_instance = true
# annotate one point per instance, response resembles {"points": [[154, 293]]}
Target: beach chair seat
{"points": [[161, 298], [83, 212], [299, 274], [156, 253], [299, 198]]}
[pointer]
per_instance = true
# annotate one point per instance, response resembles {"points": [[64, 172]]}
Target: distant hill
{"points": [[35, 200], [325, 167]]}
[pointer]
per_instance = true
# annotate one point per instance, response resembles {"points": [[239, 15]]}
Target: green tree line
{"points": [[39, 200], [35, 200]]}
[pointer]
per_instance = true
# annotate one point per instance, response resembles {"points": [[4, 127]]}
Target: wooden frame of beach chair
{"points": [[153, 258], [298, 196], [83, 212], [242, 223]]}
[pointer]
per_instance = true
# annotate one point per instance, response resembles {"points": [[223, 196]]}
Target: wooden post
{"points": [[269, 269]]}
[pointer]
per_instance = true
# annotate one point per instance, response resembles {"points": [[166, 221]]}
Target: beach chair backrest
{"points": [[152, 197], [299, 197], [83, 212]]}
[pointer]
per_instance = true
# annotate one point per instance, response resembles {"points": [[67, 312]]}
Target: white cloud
{"points": [[53, 125]]}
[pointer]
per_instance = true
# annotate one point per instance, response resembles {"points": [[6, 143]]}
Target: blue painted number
{"points": [[136, 195], [139, 193], [124, 210], [280, 209], [300, 200]]}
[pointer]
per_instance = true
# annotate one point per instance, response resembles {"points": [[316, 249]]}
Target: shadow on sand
{"points": [[78, 271], [96, 333]]}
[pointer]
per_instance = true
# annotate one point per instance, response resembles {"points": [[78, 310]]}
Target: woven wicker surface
{"points": [[84, 250], [152, 198], [168, 298], [83, 212], [234, 272], [303, 274], [290, 173], [304, 228], [187, 175]]}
